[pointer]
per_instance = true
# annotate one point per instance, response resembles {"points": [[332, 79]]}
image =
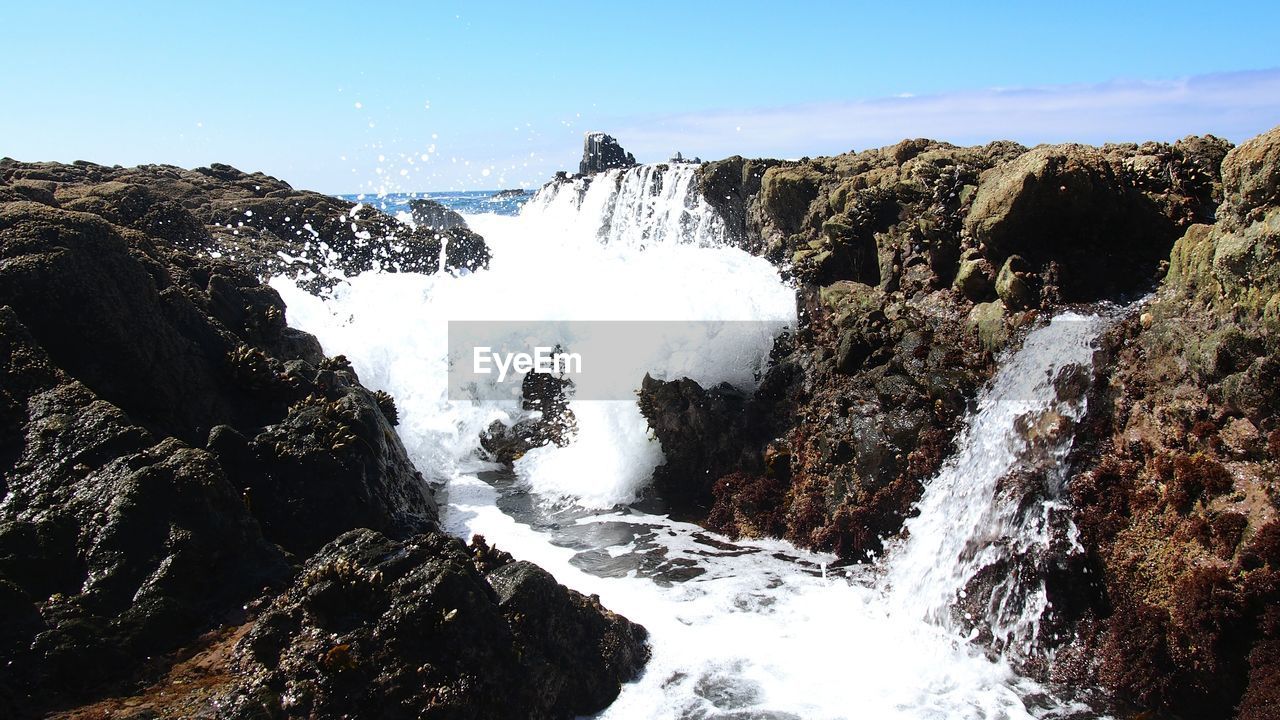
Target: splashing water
{"points": [[638, 207], [753, 629], [966, 521]]}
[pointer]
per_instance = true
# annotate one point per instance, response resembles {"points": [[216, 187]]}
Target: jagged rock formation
{"points": [[171, 450], [1180, 475], [915, 264], [918, 261], [421, 629], [602, 152], [432, 215], [260, 222]]}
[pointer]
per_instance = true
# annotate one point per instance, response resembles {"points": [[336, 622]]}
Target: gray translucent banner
{"points": [[604, 359]]}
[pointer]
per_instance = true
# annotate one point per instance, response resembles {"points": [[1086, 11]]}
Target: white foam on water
{"points": [[761, 629], [965, 524]]}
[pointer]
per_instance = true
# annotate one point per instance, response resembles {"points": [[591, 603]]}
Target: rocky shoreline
{"points": [[916, 265], [191, 487], [193, 494]]}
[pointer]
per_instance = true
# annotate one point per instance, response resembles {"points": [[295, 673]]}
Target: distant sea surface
{"points": [[470, 202]]}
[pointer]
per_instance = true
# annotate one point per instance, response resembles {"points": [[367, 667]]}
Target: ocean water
{"points": [[743, 630], [467, 202]]}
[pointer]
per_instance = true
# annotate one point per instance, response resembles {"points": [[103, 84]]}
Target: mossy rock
{"points": [[1251, 177], [850, 299], [837, 231], [1247, 262], [973, 279], [988, 320], [1011, 287], [787, 192], [1191, 263]]}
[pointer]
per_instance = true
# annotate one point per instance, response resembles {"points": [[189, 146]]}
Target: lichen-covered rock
{"points": [[1014, 286], [416, 629], [974, 278], [915, 265], [1070, 207], [1251, 178], [1180, 474]]}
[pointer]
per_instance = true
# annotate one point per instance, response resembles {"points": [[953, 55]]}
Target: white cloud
{"points": [[1233, 105]]}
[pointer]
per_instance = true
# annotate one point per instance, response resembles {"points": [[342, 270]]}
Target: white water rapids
{"points": [[738, 630]]}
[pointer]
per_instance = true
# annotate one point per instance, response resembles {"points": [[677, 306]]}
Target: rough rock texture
{"points": [[914, 265], [171, 451], [602, 152], [729, 186], [1071, 210], [432, 215], [1180, 482], [423, 628], [125, 523], [260, 222]]}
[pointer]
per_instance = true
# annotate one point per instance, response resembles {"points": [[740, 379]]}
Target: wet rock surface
{"points": [[1175, 487], [1179, 480], [602, 152], [260, 222], [171, 451], [433, 215], [915, 267], [430, 628], [1174, 491]]}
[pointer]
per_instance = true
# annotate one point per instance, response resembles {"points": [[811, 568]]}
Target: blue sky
{"points": [[346, 97]]}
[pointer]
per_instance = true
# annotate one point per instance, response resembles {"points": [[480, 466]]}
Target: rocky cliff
{"points": [[915, 265], [1179, 480], [602, 152], [174, 459]]}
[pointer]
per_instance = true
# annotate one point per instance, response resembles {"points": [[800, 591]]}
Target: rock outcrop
{"points": [[422, 629], [602, 152], [261, 223], [1180, 471], [915, 264], [432, 215], [171, 452]]}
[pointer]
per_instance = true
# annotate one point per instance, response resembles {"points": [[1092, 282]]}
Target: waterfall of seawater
{"points": [[975, 514], [751, 629]]}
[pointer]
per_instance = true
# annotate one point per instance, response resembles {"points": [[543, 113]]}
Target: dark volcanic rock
{"points": [[415, 629], [131, 321], [119, 529], [430, 214], [703, 434], [602, 152], [332, 463], [171, 451], [262, 223], [113, 546]]}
